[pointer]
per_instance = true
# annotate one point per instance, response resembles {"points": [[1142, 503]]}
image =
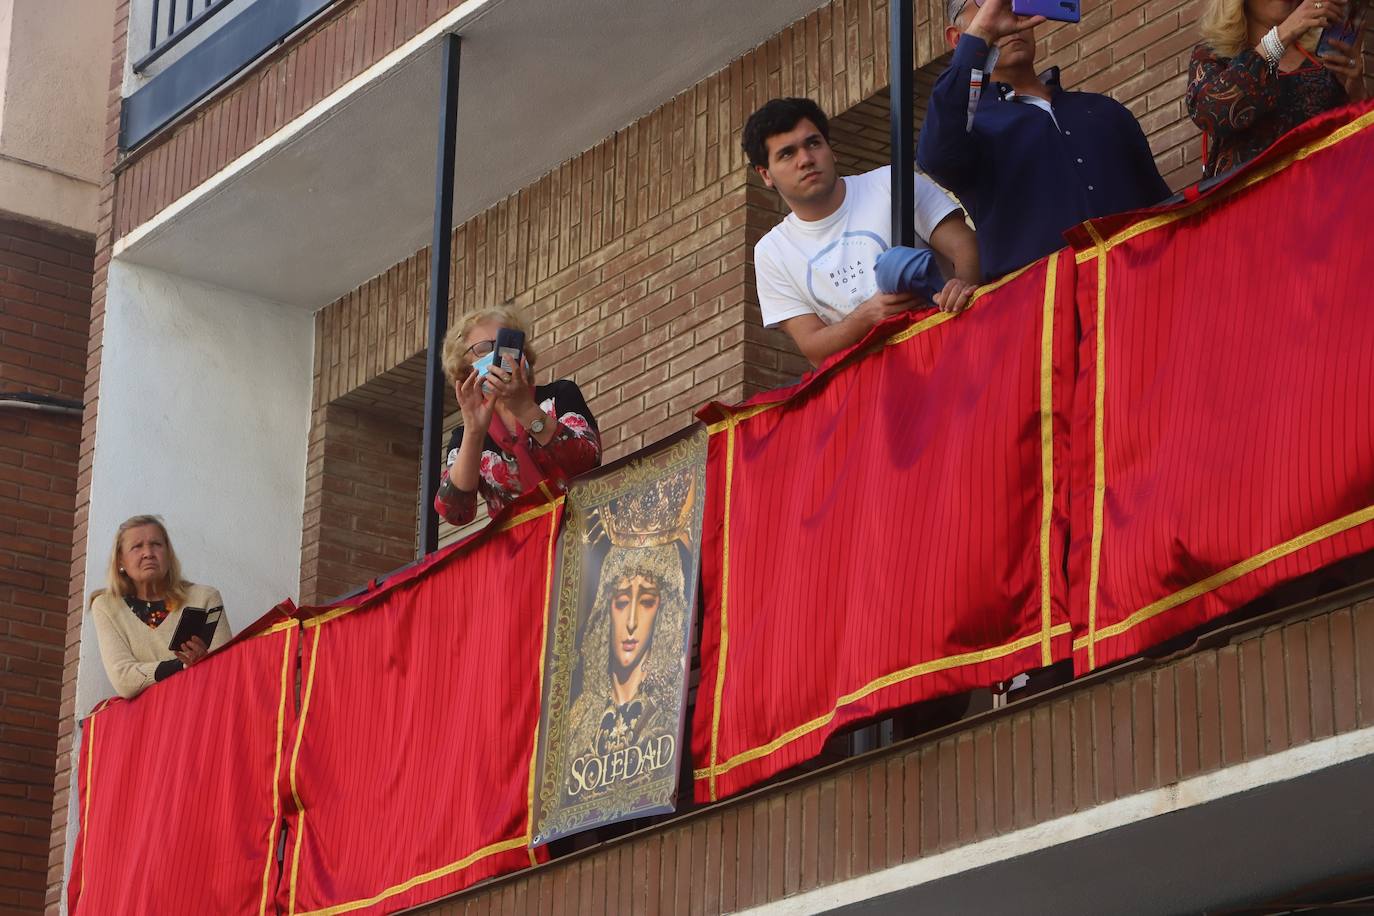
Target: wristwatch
{"points": [[537, 426]]}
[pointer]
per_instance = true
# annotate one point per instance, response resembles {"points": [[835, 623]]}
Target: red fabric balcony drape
{"points": [[411, 770], [1224, 430], [1180, 409], [888, 531], [177, 788]]}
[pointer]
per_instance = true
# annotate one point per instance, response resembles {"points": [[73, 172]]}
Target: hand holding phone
{"points": [[1346, 32], [509, 349], [508, 378], [996, 19]]}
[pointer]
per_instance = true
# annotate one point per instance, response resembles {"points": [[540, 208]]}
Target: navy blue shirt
{"points": [[1023, 176]]}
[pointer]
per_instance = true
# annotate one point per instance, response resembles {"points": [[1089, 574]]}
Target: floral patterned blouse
{"points": [[1243, 105], [514, 463]]}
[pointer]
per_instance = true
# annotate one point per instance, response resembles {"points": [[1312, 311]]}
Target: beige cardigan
{"points": [[132, 650]]}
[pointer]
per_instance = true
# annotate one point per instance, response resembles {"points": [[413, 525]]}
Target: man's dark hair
{"points": [[778, 116]]}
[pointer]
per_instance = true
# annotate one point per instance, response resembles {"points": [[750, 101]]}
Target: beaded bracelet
{"points": [[1271, 46]]}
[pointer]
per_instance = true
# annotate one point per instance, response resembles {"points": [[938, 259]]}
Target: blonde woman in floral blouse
{"points": [[515, 435], [1252, 80]]}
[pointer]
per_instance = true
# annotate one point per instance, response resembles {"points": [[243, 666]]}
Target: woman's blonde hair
{"points": [[1224, 27], [456, 358], [117, 580]]}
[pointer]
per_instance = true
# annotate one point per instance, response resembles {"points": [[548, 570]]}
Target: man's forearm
{"points": [[824, 342]]}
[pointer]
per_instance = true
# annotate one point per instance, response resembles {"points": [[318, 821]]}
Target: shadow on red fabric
{"points": [[888, 531], [1224, 430], [411, 772]]}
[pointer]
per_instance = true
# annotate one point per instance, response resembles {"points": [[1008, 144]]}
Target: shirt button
{"points": [[1080, 161], [1068, 133], [1090, 187]]}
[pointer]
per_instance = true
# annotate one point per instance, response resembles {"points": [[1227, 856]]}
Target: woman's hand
{"points": [[191, 651], [474, 403], [1310, 14], [1348, 65], [513, 389]]}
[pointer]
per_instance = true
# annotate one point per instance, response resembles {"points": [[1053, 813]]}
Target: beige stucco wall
{"points": [[54, 79]]}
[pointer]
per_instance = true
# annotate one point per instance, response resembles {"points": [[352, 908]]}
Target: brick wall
{"points": [[1107, 738], [360, 513], [635, 264], [45, 295], [630, 259]]}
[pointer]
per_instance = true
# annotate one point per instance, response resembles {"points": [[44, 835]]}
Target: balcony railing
{"points": [[171, 21], [234, 43]]}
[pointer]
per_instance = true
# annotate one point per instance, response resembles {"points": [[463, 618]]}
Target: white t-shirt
{"points": [[825, 267]]}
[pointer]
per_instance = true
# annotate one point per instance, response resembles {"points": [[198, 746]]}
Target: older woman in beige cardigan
{"points": [[138, 611]]}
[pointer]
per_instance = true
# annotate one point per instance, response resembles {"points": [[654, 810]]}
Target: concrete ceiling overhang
{"points": [[1307, 831], [348, 190]]}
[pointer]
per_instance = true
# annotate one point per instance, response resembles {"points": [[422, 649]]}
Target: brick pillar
{"points": [[45, 306], [362, 478]]}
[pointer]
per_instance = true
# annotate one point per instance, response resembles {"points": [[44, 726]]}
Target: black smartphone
{"points": [[196, 621], [510, 347]]}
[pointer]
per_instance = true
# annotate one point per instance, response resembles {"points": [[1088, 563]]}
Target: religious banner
{"points": [[1223, 437], [890, 530], [615, 670]]}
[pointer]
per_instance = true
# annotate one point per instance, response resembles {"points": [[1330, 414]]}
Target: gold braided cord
{"points": [[539, 690], [1047, 450], [288, 643], [1231, 574], [440, 872], [887, 680], [1226, 191], [724, 601]]}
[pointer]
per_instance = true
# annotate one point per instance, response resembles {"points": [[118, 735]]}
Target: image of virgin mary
{"points": [[632, 669]]}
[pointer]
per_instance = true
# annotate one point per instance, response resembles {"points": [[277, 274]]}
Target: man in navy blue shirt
{"points": [[1026, 158]]}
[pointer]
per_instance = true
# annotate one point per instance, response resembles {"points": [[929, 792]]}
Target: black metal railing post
{"points": [[902, 70], [902, 121], [440, 267]]}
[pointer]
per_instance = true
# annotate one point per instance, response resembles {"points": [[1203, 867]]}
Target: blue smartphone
{"points": [[1347, 32], [1058, 10]]}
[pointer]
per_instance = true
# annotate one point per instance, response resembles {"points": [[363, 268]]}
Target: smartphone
{"points": [[509, 349], [1347, 31], [1058, 10]]}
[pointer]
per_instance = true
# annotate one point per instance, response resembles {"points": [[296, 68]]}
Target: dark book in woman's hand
{"points": [[196, 621]]}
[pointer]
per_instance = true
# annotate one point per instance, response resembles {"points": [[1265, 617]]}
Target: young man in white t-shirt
{"points": [[815, 268]]}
